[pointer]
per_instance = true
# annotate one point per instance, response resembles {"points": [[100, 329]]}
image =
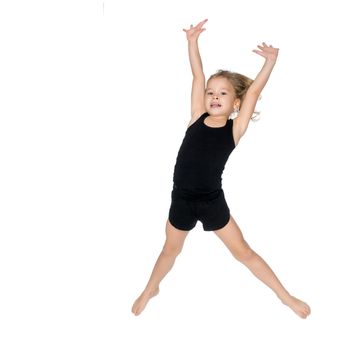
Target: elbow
{"points": [[198, 75], [253, 91]]}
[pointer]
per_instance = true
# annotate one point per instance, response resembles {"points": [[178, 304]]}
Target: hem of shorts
{"points": [[179, 228], [217, 228]]}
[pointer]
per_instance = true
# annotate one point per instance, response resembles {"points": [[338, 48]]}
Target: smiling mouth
{"points": [[215, 105]]}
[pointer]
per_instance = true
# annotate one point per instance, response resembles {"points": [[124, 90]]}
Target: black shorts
{"points": [[187, 208]]}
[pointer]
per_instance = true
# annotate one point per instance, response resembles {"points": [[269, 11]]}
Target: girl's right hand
{"points": [[192, 34]]}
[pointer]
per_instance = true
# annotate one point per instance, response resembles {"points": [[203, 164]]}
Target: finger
{"points": [[259, 53], [200, 24], [264, 43]]}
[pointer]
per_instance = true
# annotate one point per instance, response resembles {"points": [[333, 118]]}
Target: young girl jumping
{"points": [[197, 194]]}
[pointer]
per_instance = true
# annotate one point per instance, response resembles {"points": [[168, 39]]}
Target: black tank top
{"points": [[202, 156]]}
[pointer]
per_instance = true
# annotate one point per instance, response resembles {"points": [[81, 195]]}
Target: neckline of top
{"points": [[213, 127]]}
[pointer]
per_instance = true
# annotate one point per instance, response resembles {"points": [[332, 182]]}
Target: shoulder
{"points": [[196, 116]]}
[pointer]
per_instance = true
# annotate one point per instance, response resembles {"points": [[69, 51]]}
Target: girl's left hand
{"points": [[269, 52]]}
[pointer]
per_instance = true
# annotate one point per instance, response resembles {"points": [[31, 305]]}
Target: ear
{"points": [[237, 103]]}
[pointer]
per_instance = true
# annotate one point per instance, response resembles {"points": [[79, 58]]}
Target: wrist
{"points": [[271, 61]]}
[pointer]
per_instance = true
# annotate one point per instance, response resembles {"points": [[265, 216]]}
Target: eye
{"points": [[209, 93], [224, 93]]}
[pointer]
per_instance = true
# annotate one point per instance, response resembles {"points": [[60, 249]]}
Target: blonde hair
{"points": [[240, 84]]}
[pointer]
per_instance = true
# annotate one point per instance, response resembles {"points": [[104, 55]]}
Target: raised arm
{"points": [[270, 54], [247, 108], [198, 83]]}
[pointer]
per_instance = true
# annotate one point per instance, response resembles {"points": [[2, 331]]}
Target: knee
{"points": [[171, 250], [243, 253]]}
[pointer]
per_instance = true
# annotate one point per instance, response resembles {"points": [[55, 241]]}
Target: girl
{"points": [[197, 193]]}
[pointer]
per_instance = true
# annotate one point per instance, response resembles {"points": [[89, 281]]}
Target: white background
{"points": [[95, 100]]}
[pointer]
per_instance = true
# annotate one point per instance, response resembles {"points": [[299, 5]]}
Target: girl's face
{"points": [[220, 99]]}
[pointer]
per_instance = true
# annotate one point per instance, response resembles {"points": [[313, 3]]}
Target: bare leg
{"points": [[232, 237], [173, 245]]}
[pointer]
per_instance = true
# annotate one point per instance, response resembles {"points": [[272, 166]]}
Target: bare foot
{"points": [[299, 307], [141, 302]]}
